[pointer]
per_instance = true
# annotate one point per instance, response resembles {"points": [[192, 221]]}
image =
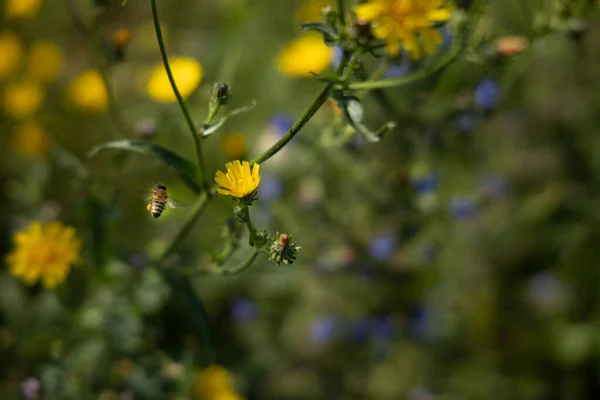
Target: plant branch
{"points": [[442, 62], [241, 267], [308, 114], [187, 226], [341, 12], [184, 110]]}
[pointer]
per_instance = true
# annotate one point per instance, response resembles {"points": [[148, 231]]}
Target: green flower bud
{"points": [[283, 250], [220, 94], [240, 214]]}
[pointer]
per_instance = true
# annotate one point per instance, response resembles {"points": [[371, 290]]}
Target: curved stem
{"points": [[421, 74], [187, 226], [308, 114], [242, 266], [184, 110]]}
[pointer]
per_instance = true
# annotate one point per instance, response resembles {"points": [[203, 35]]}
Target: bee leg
{"points": [[149, 207]]}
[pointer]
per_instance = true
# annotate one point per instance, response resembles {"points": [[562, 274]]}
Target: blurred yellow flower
{"points": [[45, 252], [12, 52], [310, 10], [304, 55], [234, 146], [239, 181], [45, 61], [30, 139], [226, 395], [22, 8], [211, 382], [187, 73], [401, 23], [22, 99], [87, 92]]}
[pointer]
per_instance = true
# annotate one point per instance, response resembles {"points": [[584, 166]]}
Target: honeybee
{"points": [[159, 201]]}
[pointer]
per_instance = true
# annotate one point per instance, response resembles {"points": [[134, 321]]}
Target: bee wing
{"points": [[175, 204]]}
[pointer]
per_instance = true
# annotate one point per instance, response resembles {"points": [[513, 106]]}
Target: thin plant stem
{"points": [[241, 267], [184, 110], [308, 114], [443, 61], [251, 228], [341, 12], [201, 202]]}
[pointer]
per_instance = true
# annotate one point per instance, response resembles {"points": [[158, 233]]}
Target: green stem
{"points": [[251, 228], [240, 267], [444, 60], [308, 114], [353, 60], [341, 12], [184, 110], [187, 226]]}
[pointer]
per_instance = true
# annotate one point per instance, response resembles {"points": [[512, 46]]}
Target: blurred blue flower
{"points": [[270, 188], [383, 328], [337, 57], [447, 37], [281, 124], [243, 310], [487, 93], [31, 388], [359, 330], [138, 260], [427, 183], [546, 291], [495, 187], [463, 207], [465, 122], [323, 330], [420, 322], [401, 69], [383, 246]]}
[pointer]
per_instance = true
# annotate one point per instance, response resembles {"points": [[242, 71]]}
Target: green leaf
{"points": [[186, 169], [209, 129], [353, 113], [330, 36]]}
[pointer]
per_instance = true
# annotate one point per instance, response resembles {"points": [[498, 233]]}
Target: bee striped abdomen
{"points": [[157, 207]]}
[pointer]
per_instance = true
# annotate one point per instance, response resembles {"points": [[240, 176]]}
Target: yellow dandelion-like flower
{"points": [[12, 52], [406, 23], [187, 73], [211, 382], [310, 10], [239, 181], [30, 139], [22, 99], [305, 55], [45, 61], [234, 146], [45, 252], [22, 8], [87, 92]]}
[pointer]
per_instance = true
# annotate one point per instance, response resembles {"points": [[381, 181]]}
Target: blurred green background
{"points": [[454, 259]]}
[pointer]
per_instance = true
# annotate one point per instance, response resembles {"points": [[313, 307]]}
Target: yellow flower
{"points": [[44, 252], [234, 145], [22, 99], [211, 382], [401, 23], [304, 55], [187, 73], [30, 139], [226, 395], [22, 8], [239, 181], [45, 61], [12, 52], [87, 92], [310, 10]]}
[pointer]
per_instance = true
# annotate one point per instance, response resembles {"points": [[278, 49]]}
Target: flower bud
{"points": [[329, 15], [240, 213], [220, 94], [283, 250]]}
